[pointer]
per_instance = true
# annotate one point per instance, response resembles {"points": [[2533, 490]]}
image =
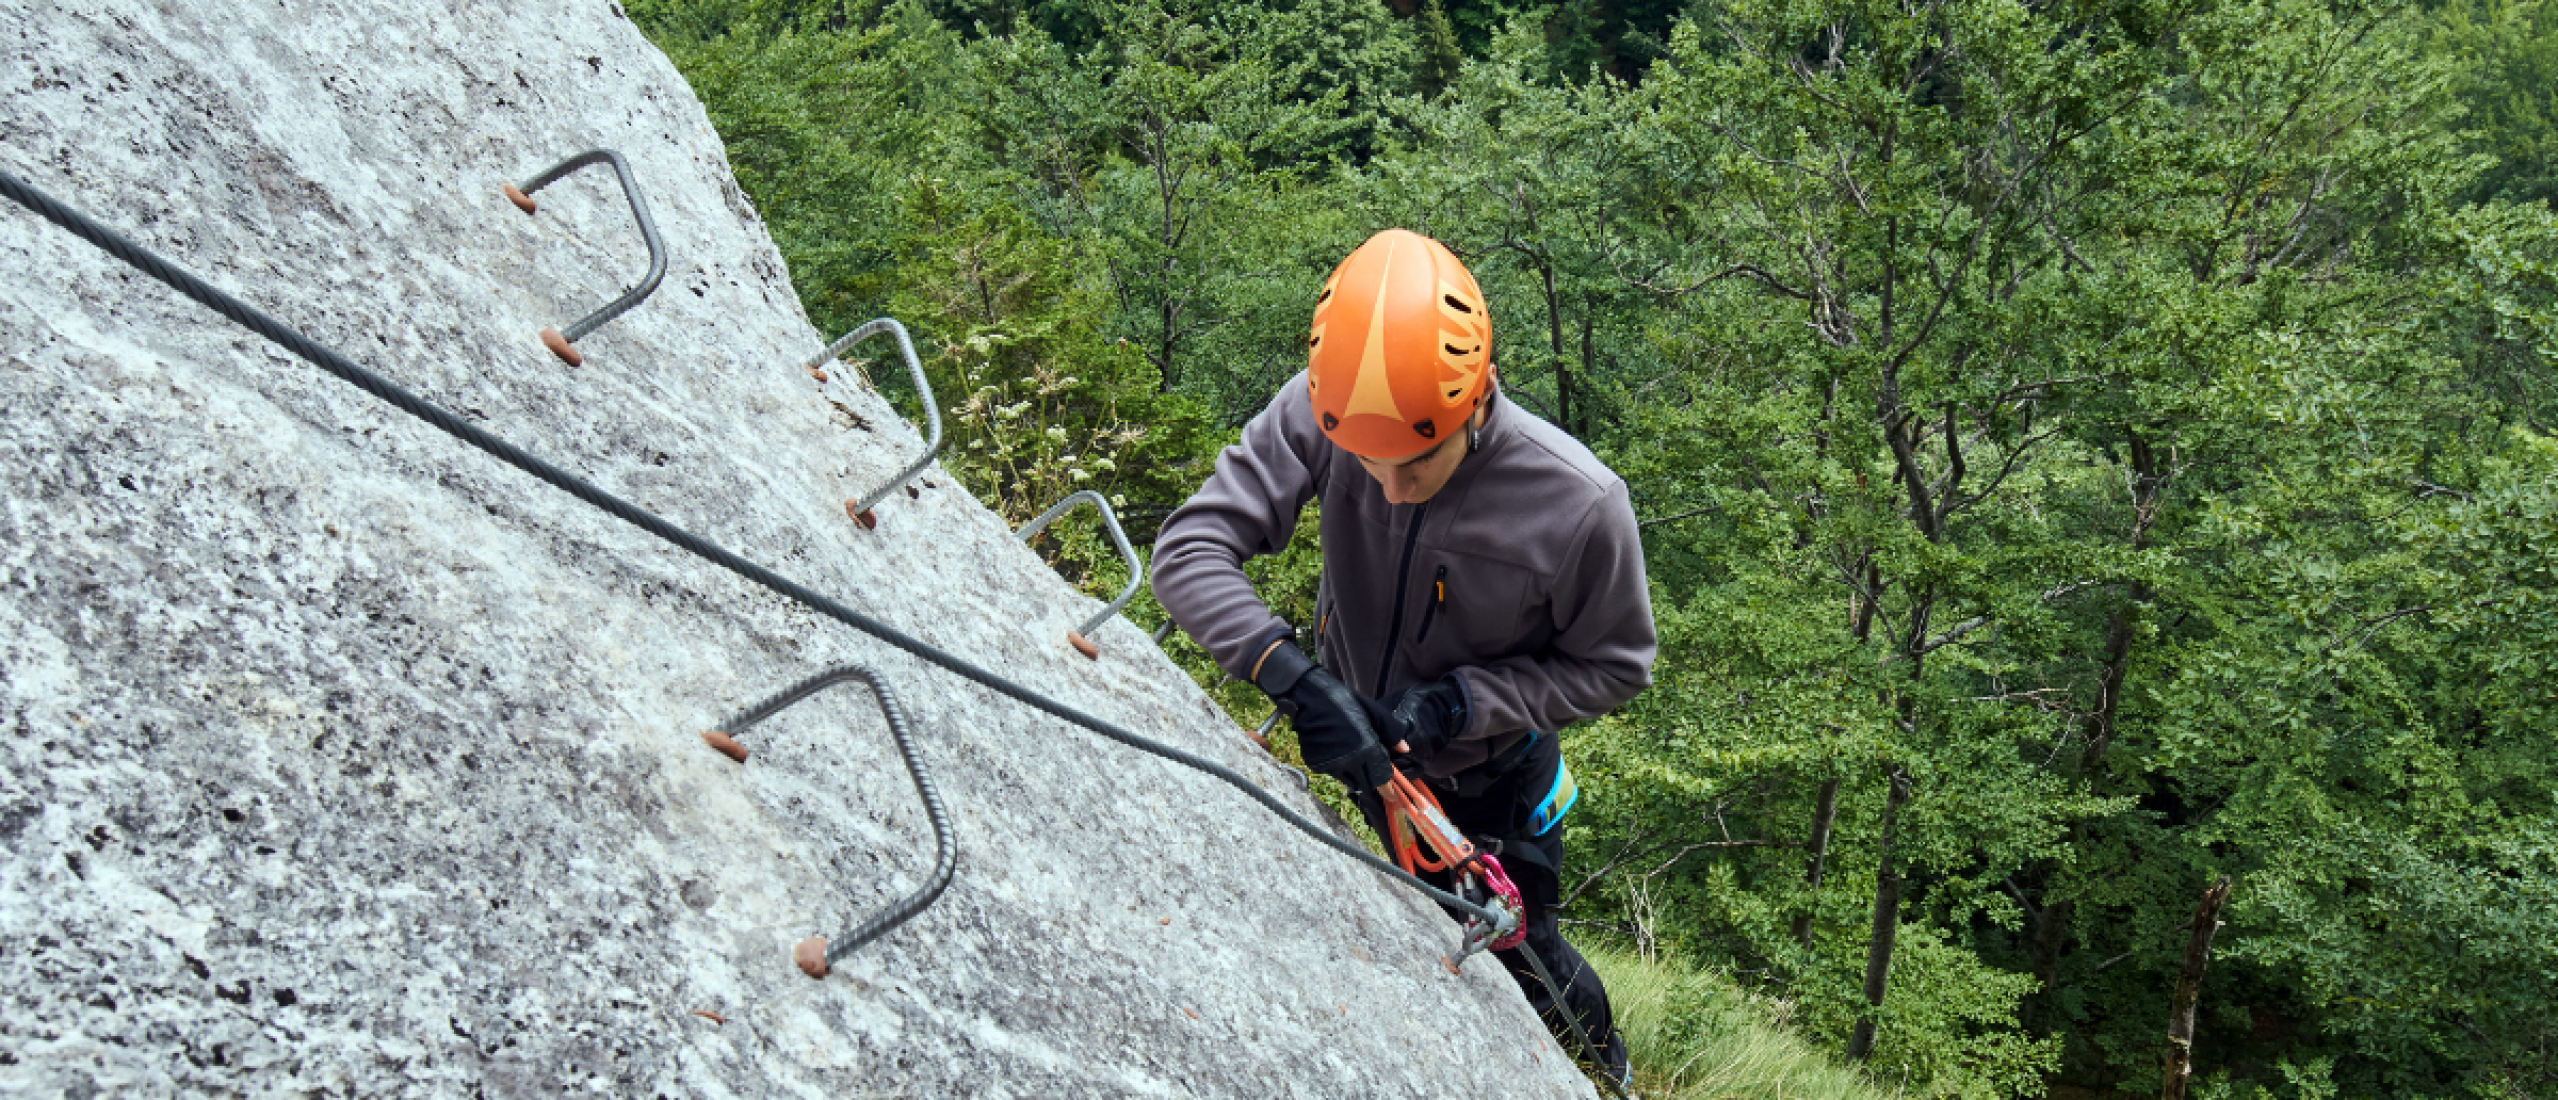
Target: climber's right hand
{"points": [[1336, 728]]}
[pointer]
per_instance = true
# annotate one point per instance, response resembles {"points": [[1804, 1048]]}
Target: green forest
{"points": [[2086, 451]]}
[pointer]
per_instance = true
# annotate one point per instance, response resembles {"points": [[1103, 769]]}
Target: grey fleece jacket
{"points": [[1523, 576]]}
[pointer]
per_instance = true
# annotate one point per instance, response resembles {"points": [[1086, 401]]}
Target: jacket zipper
{"points": [[1402, 577], [1323, 629], [1438, 595]]}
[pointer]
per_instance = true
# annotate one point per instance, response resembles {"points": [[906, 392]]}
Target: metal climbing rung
{"points": [[860, 507], [1261, 737], [1081, 637], [813, 954], [563, 344]]}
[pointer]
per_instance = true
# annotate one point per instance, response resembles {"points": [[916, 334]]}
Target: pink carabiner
{"points": [[1510, 899]]}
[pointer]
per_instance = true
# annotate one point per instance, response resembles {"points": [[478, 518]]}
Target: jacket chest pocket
{"points": [[1472, 611], [1438, 597]]}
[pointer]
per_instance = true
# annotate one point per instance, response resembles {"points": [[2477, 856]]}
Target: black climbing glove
{"points": [[1336, 728], [1425, 717]]}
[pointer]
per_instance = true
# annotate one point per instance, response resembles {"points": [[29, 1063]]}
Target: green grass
{"points": [[1695, 1036]]}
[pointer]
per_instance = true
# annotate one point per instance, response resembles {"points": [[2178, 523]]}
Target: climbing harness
{"points": [[1422, 838], [564, 344], [812, 955], [1558, 801]]}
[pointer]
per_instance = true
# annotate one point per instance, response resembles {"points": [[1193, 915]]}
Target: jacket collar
{"points": [[1496, 430]]}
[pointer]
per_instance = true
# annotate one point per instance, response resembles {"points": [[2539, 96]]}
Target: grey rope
{"points": [[945, 846], [1564, 1009], [321, 356]]}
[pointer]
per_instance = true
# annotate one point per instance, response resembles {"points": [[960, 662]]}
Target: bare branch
{"points": [[1949, 637], [1692, 512], [2059, 590], [2004, 469], [1751, 270]]}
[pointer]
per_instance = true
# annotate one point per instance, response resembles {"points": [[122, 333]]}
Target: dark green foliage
{"points": [[2131, 425], [1440, 57], [2507, 52], [1039, 405]]}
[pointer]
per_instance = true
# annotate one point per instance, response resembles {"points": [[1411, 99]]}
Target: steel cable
{"points": [[321, 356]]}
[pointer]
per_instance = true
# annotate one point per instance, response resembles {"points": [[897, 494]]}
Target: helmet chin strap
{"points": [[1474, 437]]}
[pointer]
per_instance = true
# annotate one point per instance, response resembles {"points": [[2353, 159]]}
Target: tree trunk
{"points": [[1887, 925], [1823, 814], [2189, 989], [1589, 353], [1863, 627], [2148, 485], [2041, 1009], [1554, 339]]}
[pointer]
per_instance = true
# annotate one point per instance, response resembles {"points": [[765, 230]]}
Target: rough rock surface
{"points": [[342, 760]]}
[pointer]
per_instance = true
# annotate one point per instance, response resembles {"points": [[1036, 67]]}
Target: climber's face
{"points": [[1418, 476]]}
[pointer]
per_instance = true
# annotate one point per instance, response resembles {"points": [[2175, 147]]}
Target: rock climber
{"points": [[1482, 584]]}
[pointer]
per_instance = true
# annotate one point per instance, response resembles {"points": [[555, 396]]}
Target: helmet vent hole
{"points": [[1326, 296], [1314, 341], [1451, 299], [1455, 350]]}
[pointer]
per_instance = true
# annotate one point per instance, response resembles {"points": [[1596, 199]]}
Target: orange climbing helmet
{"points": [[1401, 351]]}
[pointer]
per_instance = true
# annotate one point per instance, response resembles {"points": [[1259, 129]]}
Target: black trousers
{"points": [[1496, 818]]}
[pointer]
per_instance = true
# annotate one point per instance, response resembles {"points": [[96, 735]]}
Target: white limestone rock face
{"points": [[342, 760]]}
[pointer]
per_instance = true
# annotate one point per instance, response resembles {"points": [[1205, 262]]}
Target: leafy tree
{"points": [[2084, 449], [1041, 405], [1549, 194], [1994, 308], [1440, 59], [1161, 153], [2507, 54]]}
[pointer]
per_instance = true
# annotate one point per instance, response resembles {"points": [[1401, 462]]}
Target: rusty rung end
{"points": [[521, 200], [810, 954], [1083, 645], [560, 346], [726, 745]]}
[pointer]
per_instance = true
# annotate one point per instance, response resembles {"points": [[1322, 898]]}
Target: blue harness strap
{"points": [[1557, 802]]}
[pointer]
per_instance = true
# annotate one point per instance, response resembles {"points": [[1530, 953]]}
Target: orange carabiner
{"points": [[1415, 822]]}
